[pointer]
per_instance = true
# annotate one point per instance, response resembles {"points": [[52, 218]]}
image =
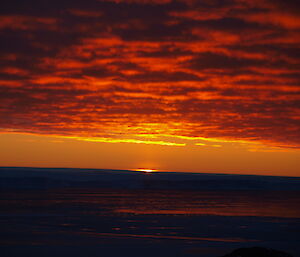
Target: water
{"points": [[145, 222]]}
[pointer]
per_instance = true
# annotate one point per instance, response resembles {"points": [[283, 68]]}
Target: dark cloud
{"points": [[276, 50], [231, 24], [158, 32], [152, 77], [210, 60], [167, 52]]}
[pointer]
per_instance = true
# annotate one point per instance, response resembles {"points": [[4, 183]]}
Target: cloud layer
{"points": [[125, 69]]}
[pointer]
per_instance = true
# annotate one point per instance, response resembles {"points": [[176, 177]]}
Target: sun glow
{"points": [[146, 170]]}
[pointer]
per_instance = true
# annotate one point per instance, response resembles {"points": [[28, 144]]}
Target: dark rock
{"points": [[257, 252]]}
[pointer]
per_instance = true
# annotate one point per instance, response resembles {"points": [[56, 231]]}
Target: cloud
{"points": [[209, 60], [110, 70]]}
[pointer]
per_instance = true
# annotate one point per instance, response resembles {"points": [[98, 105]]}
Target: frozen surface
{"points": [[122, 213]]}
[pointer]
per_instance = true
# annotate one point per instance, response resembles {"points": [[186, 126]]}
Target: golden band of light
{"points": [[146, 170]]}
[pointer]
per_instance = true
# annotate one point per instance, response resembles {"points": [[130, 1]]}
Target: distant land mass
{"points": [[47, 178]]}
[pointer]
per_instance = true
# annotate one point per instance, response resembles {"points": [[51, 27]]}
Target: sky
{"points": [[185, 85]]}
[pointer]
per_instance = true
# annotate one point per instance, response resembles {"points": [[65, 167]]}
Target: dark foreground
{"points": [[119, 222], [257, 252]]}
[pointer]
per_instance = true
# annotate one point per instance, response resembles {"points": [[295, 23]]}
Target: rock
{"points": [[257, 252]]}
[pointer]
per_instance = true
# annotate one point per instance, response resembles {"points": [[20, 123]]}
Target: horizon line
{"points": [[156, 171]]}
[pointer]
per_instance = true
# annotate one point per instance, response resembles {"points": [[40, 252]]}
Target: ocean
{"points": [[69, 212]]}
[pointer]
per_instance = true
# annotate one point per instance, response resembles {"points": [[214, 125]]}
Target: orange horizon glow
{"points": [[26, 150]]}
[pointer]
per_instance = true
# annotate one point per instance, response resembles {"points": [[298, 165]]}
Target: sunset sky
{"points": [[186, 85]]}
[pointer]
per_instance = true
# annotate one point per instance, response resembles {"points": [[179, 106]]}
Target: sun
{"points": [[146, 170]]}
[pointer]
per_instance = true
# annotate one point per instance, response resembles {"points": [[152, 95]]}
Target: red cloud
{"points": [[109, 69]]}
